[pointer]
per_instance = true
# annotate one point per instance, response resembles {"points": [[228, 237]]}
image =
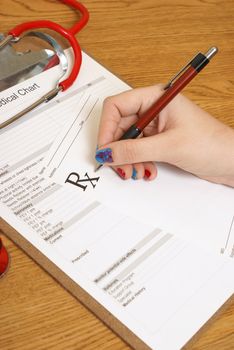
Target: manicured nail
{"points": [[134, 174], [147, 174], [104, 155], [121, 173]]}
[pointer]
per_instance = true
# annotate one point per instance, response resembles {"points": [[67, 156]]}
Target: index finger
{"points": [[125, 104]]}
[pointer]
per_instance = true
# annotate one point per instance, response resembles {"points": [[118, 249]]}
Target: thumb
{"points": [[151, 148]]}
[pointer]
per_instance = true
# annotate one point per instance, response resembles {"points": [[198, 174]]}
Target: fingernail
{"points": [[134, 174], [121, 173], [104, 155], [147, 174]]}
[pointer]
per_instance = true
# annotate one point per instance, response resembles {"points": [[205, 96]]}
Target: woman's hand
{"points": [[183, 135]]}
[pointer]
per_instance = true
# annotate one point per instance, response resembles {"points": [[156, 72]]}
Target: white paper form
{"points": [[126, 265], [150, 280], [179, 202]]}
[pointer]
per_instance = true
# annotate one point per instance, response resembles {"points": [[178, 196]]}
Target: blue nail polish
{"points": [[104, 155], [134, 174]]}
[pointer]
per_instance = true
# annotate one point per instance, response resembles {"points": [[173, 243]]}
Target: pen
{"points": [[174, 86]]}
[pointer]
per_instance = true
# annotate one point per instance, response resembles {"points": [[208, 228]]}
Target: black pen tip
{"points": [[98, 167]]}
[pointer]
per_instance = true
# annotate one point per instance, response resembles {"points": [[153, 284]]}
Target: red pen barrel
{"points": [[169, 94]]}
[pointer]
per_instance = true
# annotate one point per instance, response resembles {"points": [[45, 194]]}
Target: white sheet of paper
{"points": [[177, 201], [150, 279]]}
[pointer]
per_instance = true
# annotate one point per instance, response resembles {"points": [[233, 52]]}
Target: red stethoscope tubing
{"points": [[69, 34]]}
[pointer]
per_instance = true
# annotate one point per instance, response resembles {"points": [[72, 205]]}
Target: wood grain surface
{"points": [[144, 42]]}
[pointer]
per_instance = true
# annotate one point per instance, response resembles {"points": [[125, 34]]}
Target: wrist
{"points": [[227, 177]]}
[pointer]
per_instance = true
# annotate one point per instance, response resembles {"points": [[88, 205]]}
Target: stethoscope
{"points": [[69, 34]]}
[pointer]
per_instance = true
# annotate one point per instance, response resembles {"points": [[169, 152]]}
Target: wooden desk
{"points": [[144, 42]]}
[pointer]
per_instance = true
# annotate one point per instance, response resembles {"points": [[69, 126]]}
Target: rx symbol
{"points": [[74, 179]]}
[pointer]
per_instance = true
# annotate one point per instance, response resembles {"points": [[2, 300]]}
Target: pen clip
{"points": [[170, 83]]}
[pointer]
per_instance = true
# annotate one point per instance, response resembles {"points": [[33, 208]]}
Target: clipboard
{"points": [[105, 316]]}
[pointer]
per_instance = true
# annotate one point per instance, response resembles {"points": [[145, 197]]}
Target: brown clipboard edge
{"points": [[88, 301]]}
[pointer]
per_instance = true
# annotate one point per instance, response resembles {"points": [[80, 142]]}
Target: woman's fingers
{"points": [[137, 171], [153, 148], [129, 104]]}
